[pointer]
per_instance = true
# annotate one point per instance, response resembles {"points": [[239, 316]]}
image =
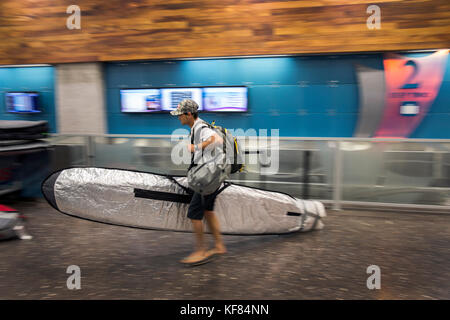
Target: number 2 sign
{"points": [[410, 82]]}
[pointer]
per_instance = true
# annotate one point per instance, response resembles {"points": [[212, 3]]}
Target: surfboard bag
{"points": [[20, 146], [153, 201], [23, 130]]}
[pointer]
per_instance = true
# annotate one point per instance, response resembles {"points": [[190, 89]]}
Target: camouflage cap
{"points": [[185, 106]]}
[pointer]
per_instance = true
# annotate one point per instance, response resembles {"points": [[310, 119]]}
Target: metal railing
{"points": [[412, 174]]}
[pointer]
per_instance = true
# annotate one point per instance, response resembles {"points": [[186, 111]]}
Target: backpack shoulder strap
{"points": [[202, 125]]}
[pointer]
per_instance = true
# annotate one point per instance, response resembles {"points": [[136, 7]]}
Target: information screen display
{"points": [[171, 97], [209, 99], [140, 100], [22, 102], [225, 99]]}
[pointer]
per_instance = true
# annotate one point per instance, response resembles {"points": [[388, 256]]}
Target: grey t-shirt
{"points": [[204, 135]]}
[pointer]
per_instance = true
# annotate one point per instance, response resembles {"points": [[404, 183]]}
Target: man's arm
{"points": [[215, 138]]}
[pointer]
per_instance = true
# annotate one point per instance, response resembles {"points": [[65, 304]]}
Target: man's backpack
{"points": [[235, 158], [206, 177]]}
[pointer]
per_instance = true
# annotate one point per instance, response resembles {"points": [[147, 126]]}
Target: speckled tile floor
{"points": [[412, 251]]}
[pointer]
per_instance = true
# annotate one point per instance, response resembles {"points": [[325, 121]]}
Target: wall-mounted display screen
{"points": [[22, 102], [140, 100], [209, 99], [225, 99], [171, 97]]}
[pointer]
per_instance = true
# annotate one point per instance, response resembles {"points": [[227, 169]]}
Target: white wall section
{"points": [[80, 99]]}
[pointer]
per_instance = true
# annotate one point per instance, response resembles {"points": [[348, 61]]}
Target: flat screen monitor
{"points": [[171, 97], [140, 100], [225, 99], [209, 99], [22, 102]]}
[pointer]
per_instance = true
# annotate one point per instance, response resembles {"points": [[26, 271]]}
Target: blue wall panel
{"points": [[442, 102], [433, 126], [40, 79]]}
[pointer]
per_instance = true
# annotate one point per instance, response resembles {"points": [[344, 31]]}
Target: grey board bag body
{"points": [[205, 177]]}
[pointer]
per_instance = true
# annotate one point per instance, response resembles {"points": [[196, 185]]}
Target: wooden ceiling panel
{"points": [[34, 31]]}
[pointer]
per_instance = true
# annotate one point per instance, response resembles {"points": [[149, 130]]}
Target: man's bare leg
{"points": [[214, 227], [200, 249]]}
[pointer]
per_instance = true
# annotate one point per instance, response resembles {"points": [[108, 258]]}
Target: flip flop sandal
{"points": [[207, 259], [213, 252]]}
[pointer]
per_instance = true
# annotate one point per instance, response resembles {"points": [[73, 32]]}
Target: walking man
{"points": [[203, 137]]}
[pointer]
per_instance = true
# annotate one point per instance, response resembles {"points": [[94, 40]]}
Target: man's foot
{"points": [[195, 257], [220, 249]]}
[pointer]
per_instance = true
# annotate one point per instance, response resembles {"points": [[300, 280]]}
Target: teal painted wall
{"points": [[315, 96], [40, 79], [301, 96]]}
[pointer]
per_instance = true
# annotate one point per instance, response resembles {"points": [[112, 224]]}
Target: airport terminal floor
{"points": [[411, 250]]}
